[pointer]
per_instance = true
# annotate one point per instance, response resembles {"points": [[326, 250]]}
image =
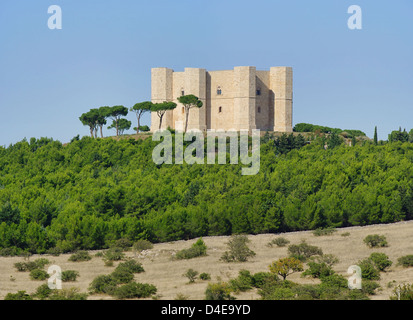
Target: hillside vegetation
{"points": [[91, 192]]}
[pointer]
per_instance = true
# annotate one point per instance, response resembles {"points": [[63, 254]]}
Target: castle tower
{"points": [[161, 83], [244, 98], [281, 84]]}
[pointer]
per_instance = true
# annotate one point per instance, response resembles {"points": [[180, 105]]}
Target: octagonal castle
{"points": [[242, 98]]}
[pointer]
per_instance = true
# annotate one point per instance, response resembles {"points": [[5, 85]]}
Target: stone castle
{"points": [[242, 98]]}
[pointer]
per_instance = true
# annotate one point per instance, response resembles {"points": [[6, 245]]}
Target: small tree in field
{"points": [[141, 108], [161, 108], [116, 113], [238, 249], [286, 266], [189, 101]]}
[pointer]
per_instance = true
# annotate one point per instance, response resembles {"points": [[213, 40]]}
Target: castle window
{"points": [[259, 110], [182, 92], [258, 91], [219, 91], [220, 109]]}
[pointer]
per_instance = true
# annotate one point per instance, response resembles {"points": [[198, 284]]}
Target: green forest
{"points": [[90, 192]]}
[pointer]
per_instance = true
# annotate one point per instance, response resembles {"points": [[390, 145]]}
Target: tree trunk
{"points": [[117, 129], [101, 132], [186, 118], [139, 124], [91, 132]]}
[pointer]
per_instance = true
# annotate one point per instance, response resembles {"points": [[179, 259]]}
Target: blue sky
{"points": [[350, 79]]}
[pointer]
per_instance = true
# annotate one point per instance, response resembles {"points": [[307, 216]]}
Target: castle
{"points": [[242, 98]]}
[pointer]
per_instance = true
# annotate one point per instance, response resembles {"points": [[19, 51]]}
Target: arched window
{"points": [[259, 109], [258, 91], [219, 91], [220, 109]]}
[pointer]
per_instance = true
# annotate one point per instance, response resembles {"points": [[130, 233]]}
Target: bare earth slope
{"points": [[166, 273]]}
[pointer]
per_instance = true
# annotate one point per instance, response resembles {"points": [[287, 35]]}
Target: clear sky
{"points": [[350, 79]]}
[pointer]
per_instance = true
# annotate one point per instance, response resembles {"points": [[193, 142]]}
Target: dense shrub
{"points": [[279, 242], [43, 291], [324, 231], [31, 265], [318, 270], [103, 284], [69, 275], [38, 274], [286, 266], [303, 251], [368, 270], [131, 266], [404, 292], [238, 249], [141, 245], [260, 279], [198, 249], [20, 295], [122, 243], [218, 291], [205, 276], [80, 256], [243, 282], [135, 290], [375, 240], [406, 261], [380, 260], [122, 275], [113, 254], [67, 294]]}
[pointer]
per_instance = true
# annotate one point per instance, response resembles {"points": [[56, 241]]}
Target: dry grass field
{"points": [[166, 274]]}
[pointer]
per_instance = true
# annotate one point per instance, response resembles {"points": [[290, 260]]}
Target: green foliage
{"points": [[243, 282], [43, 291], [318, 270], [80, 256], [399, 136], [113, 254], [191, 274], [198, 249], [368, 270], [375, 240], [31, 265], [141, 245], [404, 292], [67, 294], [131, 266], [303, 251], [279, 242], [306, 127], [20, 295], [38, 274], [406, 261], [69, 275], [205, 276], [238, 249], [286, 143], [87, 194], [134, 290], [218, 291], [103, 284], [380, 260]]}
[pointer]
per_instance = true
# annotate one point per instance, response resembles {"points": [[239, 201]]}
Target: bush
{"points": [[131, 266], [198, 249], [406, 261], [43, 291], [238, 249], [38, 274], [122, 275], [286, 266], [114, 254], [380, 260], [303, 251], [69, 275], [279, 242], [20, 295], [218, 291], [181, 296], [141, 245], [205, 276], [122, 243], [80, 256], [369, 287], [368, 270], [55, 251], [405, 292], [318, 270], [324, 231], [134, 290], [31, 265], [103, 284], [375, 240], [191, 274], [67, 294], [260, 279], [242, 283]]}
